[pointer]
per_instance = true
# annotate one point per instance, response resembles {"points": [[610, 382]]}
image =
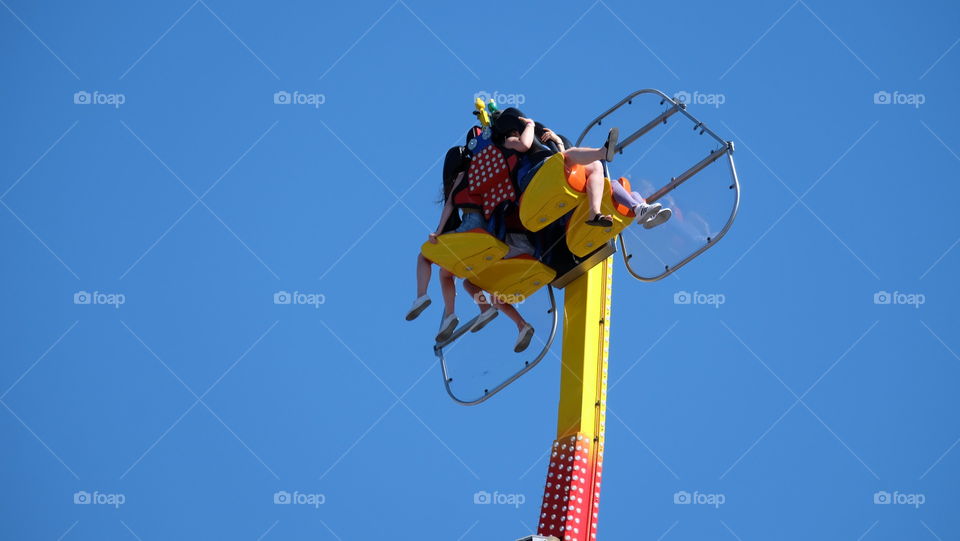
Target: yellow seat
{"points": [[514, 279], [582, 238], [550, 194], [465, 254]]}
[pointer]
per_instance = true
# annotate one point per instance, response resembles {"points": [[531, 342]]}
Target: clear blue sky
{"points": [[198, 198]]}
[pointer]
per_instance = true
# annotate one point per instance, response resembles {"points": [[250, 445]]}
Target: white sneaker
{"points": [[485, 317], [647, 212], [523, 339], [447, 326], [660, 218], [418, 307]]}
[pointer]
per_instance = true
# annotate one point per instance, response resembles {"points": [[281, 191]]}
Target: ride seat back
{"points": [[467, 254], [551, 193], [515, 279]]}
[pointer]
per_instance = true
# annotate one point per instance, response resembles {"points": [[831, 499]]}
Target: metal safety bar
{"points": [[527, 366], [726, 149], [668, 270], [686, 175], [674, 105]]}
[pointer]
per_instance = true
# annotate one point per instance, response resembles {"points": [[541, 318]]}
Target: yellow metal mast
{"points": [[571, 496]]}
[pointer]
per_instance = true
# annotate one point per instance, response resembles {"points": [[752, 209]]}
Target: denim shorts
{"points": [[472, 220]]}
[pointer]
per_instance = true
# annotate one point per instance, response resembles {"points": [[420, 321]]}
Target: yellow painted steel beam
{"points": [[572, 493], [586, 340]]}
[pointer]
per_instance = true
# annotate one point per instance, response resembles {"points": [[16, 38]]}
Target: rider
{"points": [[648, 215], [518, 135], [536, 154], [519, 244], [454, 170]]}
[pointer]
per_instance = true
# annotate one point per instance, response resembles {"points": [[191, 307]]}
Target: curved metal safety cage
{"points": [[726, 149], [527, 365]]}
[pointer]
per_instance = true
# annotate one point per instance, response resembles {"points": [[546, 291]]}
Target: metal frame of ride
{"points": [[571, 494]]}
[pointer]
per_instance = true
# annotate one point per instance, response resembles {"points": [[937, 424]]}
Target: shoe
{"points": [[418, 307], [611, 144], [486, 316], [447, 326], [660, 218], [523, 340], [647, 212], [600, 220]]}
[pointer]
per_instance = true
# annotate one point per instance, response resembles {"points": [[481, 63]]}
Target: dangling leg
{"points": [[654, 219], [524, 329], [635, 201], [423, 279], [595, 182], [487, 310], [450, 321]]}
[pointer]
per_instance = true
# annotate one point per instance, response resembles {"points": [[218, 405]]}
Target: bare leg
{"points": [[507, 309], [449, 289], [481, 298], [423, 275], [477, 295], [590, 158], [512, 313], [583, 156], [595, 182]]}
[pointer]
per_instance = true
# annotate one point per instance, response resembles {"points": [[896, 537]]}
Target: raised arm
{"points": [[525, 141], [447, 209]]}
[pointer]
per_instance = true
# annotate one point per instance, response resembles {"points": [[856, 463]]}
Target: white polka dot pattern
{"points": [[489, 177], [571, 488]]}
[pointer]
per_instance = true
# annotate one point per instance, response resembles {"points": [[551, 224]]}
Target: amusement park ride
{"points": [[577, 258]]}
